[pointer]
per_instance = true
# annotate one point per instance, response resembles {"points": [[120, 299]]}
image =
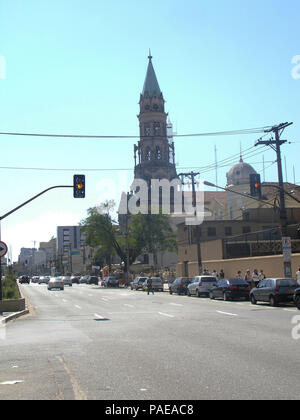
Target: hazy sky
{"points": [[78, 67]]}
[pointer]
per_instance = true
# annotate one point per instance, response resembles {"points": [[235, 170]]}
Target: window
{"points": [[157, 129], [148, 154], [158, 153], [246, 229], [147, 130], [211, 231], [228, 231]]}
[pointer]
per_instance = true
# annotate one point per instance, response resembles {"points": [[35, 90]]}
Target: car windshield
{"points": [[286, 282], [156, 280], [208, 279]]}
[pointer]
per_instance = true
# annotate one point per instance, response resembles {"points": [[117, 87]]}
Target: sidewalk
{"points": [[9, 316]]}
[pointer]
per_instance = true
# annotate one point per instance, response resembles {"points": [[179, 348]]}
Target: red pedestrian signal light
{"points": [[79, 186]]}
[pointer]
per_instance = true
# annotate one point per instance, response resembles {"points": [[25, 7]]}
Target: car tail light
{"points": [[233, 288], [249, 287], [199, 284], [277, 287], [62, 282]]}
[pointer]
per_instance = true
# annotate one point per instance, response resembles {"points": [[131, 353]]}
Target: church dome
{"points": [[239, 174]]}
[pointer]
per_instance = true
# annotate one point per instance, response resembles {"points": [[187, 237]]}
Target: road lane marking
{"points": [[78, 307], [129, 306], [176, 304], [227, 313], [164, 314]]}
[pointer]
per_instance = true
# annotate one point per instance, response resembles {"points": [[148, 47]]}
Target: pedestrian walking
{"points": [[255, 278], [215, 274], [239, 275], [221, 274], [298, 276], [149, 286], [247, 277], [261, 275]]}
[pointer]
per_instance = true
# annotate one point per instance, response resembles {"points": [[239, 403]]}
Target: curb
{"points": [[16, 315]]}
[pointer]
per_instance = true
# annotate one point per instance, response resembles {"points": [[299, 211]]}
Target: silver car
{"points": [[44, 279], [67, 281], [56, 283], [157, 284], [201, 285]]}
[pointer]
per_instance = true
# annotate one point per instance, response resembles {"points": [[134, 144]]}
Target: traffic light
{"points": [[79, 186], [255, 185]]}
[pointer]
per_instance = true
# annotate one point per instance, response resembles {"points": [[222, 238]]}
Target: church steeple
{"points": [[154, 158]]}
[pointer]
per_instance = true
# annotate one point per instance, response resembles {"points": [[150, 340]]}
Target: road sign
{"points": [[3, 249]]}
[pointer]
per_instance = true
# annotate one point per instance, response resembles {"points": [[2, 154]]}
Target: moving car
{"points": [[92, 280], [24, 279], [44, 280], [67, 281], [157, 284], [180, 285], [274, 291], [201, 285], [230, 289], [75, 279], [83, 279], [35, 279], [55, 283], [137, 283], [110, 282]]}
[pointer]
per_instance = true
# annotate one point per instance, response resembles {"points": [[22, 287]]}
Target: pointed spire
{"points": [[151, 85], [241, 156]]}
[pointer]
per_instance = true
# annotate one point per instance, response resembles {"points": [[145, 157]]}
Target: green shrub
{"points": [[10, 288]]}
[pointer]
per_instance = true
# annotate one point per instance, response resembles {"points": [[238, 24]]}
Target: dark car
{"points": [[296, 297], [92, 280], [180, 285], [274, 291], [24, 279], [137, 283], [75, 279], [230, 289], [110, 282]]}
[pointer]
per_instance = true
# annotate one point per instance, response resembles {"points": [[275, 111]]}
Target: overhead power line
{"points": [[218, 133]]}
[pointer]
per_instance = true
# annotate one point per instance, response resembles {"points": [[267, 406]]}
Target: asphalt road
{"points": [[87, 342]]}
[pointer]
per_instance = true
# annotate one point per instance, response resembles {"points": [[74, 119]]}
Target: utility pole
{"points": [[192, 175], [275, 145]]}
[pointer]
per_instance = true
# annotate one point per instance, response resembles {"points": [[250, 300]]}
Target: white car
{"points": [[56, 283]]}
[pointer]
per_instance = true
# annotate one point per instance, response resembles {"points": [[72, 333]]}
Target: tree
{"points": [[146, 233]]}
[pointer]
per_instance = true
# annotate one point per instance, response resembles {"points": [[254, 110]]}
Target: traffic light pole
{"points": [[275, 145]]}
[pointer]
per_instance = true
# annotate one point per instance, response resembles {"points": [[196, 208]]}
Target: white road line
{"points": [[99, 316], [129, 306], [164, 314], [176, 304], [227, 313], [64, 300], [78, 307], [105, 300]]}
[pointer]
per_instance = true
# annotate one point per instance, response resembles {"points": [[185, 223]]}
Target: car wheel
{"points": [[198, 294], [297, 302], [211, 296], [170, 291], [253, 300], [188, 293], [273, 301], [225, 297]]}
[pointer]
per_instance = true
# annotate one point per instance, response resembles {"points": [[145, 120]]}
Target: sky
{"points": [[78, 67]]}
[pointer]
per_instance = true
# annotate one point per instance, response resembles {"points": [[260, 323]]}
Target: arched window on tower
{"points": [[157, 153], [157, 129], [148, 154]]}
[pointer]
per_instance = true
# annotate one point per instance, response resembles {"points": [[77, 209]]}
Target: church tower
{"points": [[154, 155]]}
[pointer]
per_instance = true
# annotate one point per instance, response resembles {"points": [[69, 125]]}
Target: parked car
{"points": [[92, 280], [157, 284], [180, 285], [296, 297], [35, 279], [83, 279], [55, 283], [24, 279], [67, 281], [110, 282], [201, 285], [44, 280], [75, 279], [137, 283], [230, 289], [274, 291]]}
